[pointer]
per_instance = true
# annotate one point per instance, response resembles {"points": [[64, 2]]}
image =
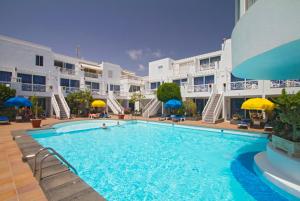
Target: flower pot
{"points": [[292, 148], [36, 123]]}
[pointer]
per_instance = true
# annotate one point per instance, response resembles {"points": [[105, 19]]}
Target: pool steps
{"points": [[57, 182]]}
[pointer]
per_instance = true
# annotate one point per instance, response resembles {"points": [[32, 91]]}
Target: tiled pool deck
{"points": [[16, 180]]}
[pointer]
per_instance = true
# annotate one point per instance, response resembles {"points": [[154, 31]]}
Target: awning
{"points": [[91, 66]]}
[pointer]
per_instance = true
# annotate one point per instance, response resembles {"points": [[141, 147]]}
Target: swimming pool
{"points": [[151, 161]]}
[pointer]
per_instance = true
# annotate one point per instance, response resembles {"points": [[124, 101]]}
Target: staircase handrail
{"points": [[217, 108], [115, 103], [64, 102], [210, 99], [147, 107], [111, 105], [55, 106], [154, 107]]}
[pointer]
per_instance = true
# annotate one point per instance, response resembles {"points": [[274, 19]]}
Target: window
{"points": [[58, 63], [204, 62], [69, 66], [95, 85], [160, 67], [154, 85], [110, 74], [74, 83], [215, 59], [134, 88], [180, 82], [114, 87], [69, 83], [39, 60], [64, 82], [37, 79], [25, 78], [198, 80], [5, 76], [209, 79]]}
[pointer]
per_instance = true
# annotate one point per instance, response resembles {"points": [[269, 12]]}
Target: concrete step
{"points": [[52, 170]]}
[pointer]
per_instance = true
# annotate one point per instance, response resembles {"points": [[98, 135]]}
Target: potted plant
{"points": [[288, 137], [36, 121]]}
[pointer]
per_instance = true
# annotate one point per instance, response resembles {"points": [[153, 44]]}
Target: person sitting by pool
{"points": [[104, 126]]}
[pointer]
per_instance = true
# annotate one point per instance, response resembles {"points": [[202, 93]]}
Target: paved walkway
{"points": [[16, 180]]}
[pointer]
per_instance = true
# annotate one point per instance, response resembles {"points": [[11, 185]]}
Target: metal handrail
{"points": [[54, 153]]}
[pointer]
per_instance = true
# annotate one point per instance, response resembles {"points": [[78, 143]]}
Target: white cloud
{"points": [[157, 54], [141, 67], [135, 54], [147, 53]]}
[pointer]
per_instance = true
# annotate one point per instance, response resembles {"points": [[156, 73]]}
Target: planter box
{"points": [[292, 148], [121, 116]]}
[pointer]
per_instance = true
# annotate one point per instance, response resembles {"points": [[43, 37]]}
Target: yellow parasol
{"points": [[98, 103], [258, 104]]}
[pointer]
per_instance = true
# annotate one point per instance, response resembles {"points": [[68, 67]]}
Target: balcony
{"points": [[67, 71], [244, 85], [25, 86], [209, 66], [284, 83], [91, 75], [70, 89], [33, 87]]}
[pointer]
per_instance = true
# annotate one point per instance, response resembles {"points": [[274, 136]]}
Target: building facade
{"points": [[35, 70], [209, 81]]}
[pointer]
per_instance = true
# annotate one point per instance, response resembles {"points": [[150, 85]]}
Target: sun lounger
{"points": [[4, 120], [268, 128], [243, 125], [178, 118]]}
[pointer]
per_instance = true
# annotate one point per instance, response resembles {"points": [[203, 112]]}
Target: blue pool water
{"points": [[145, 161]]}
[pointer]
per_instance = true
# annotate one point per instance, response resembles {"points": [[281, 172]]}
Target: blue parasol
{"points": [[18, 102], [173, 103]]}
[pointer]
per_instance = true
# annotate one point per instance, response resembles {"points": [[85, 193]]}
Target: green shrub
{"points": [[80, 102], [168, 91], [190, 107], [6, 93], [288, 106]]}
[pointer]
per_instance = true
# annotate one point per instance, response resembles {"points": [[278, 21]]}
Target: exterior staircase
{"points": [[114, 105], [62, 114], [213, 108], [151, 108]]}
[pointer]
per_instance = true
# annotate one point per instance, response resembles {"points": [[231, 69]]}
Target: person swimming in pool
{"points": [[104, 126], [118, 123]]}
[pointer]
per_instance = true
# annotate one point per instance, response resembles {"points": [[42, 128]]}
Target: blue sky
{"points": [[127, 32]]}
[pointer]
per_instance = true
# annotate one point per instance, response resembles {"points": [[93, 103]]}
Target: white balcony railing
{"points": [[208, 66], [284, 83], [70, 89], [244, 85], [91, 75], [197, 88], [25, 86], [67, 71]]}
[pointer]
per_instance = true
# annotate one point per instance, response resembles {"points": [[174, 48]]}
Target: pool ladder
{"points": [[52, 153]]}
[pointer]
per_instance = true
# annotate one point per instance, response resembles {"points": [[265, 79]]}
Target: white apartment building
{"points": [[208, 80], [34, 69]]}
